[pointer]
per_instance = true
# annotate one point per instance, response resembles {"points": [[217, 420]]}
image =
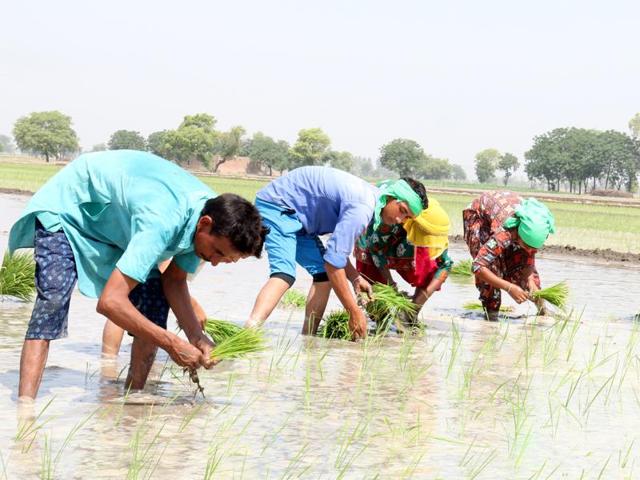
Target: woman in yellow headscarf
{"points": [[417, 250]]}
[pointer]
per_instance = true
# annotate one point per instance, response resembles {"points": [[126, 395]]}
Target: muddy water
{"points": [[469, 399]]}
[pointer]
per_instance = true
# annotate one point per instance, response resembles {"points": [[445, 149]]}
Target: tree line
{"points": [[576, 159], [572, 158], [197, 141]]}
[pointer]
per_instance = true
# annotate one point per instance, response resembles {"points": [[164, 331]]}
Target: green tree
{"points": [[266, 152], [6, 144], [311, 148], [194, 139], [362, 167], [458, 173], [227, 145], [436, 169], [156, 143], [508, 163], [46, 133], [403, 156], [341, 160], [634, 126], [127, 140], [486, 164], [578, 156], [200, 120], [99, 147]]}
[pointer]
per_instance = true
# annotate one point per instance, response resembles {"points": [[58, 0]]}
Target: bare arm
{"points": [[174, 284], [340, 285], [114, 303], [487, 276]]}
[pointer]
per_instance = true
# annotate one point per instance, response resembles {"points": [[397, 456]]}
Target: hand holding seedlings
{"points": [[363, 289], [517, 293], [185, 354], [358, 324]]}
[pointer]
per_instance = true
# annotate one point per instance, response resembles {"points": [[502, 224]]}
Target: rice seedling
{"points": [[387, 305], [17, 275], [294, 299], [336, 325], [477, 306], [462, 268], [556, 294], [246, 341], [220, 330]]}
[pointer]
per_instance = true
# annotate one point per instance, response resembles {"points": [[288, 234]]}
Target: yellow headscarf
{"points": [[429, 229]]}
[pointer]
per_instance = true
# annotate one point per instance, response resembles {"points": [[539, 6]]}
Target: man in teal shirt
{"points": [[107, 220]]}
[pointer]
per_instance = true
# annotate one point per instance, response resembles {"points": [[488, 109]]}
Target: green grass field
{"points": [[580, 225]]}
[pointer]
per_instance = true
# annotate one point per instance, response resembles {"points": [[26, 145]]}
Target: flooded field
{"points": [[523, 398]]}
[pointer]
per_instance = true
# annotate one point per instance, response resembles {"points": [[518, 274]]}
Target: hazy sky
{"points": [[456, 76]]}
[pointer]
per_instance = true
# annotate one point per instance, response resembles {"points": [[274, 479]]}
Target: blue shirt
{"points": [[119, 208], [326, 200]]}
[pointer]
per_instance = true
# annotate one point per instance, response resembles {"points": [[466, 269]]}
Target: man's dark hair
{"points": [[238, 220], [418, 187]]}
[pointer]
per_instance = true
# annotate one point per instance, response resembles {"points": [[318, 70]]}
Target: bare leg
{"points": [[32, 363], [268, 298], [143, 353], [111, 338], [316, 304]]}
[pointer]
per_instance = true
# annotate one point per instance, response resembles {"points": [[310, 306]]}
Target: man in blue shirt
{"points": [[312, 201], [106, 220]]}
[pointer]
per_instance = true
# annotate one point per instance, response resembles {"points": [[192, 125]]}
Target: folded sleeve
{"points": [[352, 221], [148, 246]]}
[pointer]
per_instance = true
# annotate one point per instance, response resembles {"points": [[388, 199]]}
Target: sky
{"points": [[455, 76]]}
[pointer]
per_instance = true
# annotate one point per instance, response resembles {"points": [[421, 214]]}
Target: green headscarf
{"points": [[534, 221], [400, 190]]}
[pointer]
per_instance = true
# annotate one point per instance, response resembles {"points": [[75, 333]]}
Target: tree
{"points": [[46, 133], [578, 156], [193, 140], [341, 160], [486, 164], [362, 167], [99, 147], [458, 173], [403, 156], [6, 144], [508, 163], [266, 152], [634, 126], [156, 143], [227, 145], [436, 169], [311, 148], [127, 140]]}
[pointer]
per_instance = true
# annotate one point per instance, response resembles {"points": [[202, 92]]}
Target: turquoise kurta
{"points": [[119, 208]]}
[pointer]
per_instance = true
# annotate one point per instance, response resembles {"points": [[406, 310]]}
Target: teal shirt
{"points": [[119, 208]]}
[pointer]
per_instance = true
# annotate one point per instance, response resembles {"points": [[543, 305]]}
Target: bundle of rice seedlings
{"points": [[220, 330], [17, 275], [477, 306], [462, 268], [556, 294], [386, 306], [240, 344], [336, 325], [293, 298]]}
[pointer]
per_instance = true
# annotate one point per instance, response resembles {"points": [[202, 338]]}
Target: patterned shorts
{"points": [[55, 278]]}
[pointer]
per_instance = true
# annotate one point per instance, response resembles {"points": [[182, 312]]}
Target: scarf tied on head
{"points": [[534, 222], [429, 229], [400, 190]]}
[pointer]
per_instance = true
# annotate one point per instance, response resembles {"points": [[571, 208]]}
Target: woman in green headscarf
{"points": [[503, 233]]}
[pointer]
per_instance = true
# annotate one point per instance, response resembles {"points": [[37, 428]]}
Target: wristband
{"points": [[509, 289]]}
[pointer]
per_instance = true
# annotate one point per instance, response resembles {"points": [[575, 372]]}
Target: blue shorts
{"points": [[287, 242], [55, 278]]}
